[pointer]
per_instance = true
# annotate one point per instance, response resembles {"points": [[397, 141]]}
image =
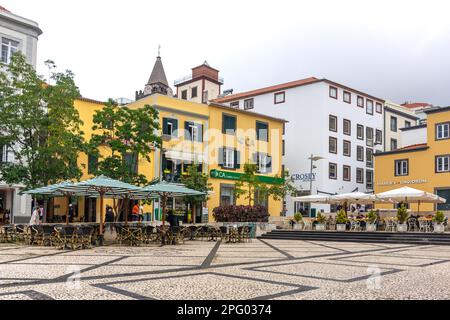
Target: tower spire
{"points": [[159, 51]]}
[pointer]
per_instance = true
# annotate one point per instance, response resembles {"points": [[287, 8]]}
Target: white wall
{"points": [[414, 136], [307, 108]]}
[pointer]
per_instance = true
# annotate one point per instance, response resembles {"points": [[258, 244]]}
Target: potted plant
{"points": [[371, 221], [402, 216], [438, 220], [298, 218], [321, 220], [341, 221]]}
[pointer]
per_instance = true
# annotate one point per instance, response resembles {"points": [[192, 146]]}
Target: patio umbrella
{"points": [[55, 191], [411, 195], [313, 199], [164, 190], [102, 187]]}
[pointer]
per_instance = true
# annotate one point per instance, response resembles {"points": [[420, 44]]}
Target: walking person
{"points": [[135, 213], [35, 217]]}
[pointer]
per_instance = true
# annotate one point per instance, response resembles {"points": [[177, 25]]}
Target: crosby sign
{"points": [[304, 177]]}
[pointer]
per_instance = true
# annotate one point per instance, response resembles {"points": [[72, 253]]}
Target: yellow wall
{"points": [[211, 118], [421, 166]]}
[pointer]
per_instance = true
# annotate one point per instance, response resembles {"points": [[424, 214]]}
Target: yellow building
{"points": [[424, 166], [218, 138]]}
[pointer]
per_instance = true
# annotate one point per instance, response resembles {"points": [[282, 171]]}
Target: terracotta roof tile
{"points": [[4, 9], [275, 88], [416, 105], [414, 146]]}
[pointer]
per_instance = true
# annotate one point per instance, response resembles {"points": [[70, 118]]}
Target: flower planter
{"points": [[341, 227], [297, 226], [439, 228], [402, 227], [371, 228], [320, 227]]}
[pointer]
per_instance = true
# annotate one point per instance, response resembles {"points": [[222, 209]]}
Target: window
{"points": [[229, 161], [193, 131], [280, 97], [264, 163], [228, 124], [131, 162], [369, 137], [249, 104], [347, 97], [347, 173], [407, 124], [262, 131], [235, 104], [394, 144], [4, 154], [369, 179], [443, 164], [378, 137], [170, 127], [333, 124], [444, 193], [347, 127], [369, 158], [333, 171], [284, 148], [184, 94], [9, 47], [360, 132], [333, 145], [227, 195], [360, 175], [360, 102], [443, 131], [92, 164], [360, 153], [401, 167], [379, 107], [333, 92], [369, 107], [205, 97], [393, 124], [347, 148], [194, 92]]}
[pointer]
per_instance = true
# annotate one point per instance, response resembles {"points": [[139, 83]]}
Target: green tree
{"points": [[127, 136], [280, 191], [39, 125], [196, 180], [249, 183]]}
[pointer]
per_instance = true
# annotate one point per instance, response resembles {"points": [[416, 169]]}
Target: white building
{"points": [[16, 34], [397, 118], [342, 125]]}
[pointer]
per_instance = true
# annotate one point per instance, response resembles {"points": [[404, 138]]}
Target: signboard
{"points": [[216, 174], [304, 177], [205, 215], [405, 182]]}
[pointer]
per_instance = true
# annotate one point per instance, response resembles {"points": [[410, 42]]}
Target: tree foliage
{"points": [[196, 180], [39, 124], [126, 136]]}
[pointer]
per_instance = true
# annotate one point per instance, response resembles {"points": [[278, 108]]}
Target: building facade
{"points": [[331, 137], [17, 34], [396, 118], [219, 139], [421, 165]]}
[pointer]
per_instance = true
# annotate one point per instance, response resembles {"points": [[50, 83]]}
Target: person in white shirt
{"points": [[35, 217]]}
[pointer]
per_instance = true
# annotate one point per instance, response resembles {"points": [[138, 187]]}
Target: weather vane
{"points": [[159, 50]]}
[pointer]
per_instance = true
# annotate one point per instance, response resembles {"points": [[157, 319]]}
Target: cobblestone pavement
{"points": [[268, 269]]}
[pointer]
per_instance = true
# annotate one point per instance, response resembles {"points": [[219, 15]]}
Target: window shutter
{"points": [[165, 126], [174, 127], [200, 133], [269, 164], [187, 135], [237, 159], [221, 157]]}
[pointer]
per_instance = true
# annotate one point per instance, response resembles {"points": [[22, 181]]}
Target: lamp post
{"points": [[313, 159]]}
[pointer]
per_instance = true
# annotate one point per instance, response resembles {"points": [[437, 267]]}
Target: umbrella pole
{"points": [[127, 206], [418, 208], [67, 211], [163, 205], [101, 235]]}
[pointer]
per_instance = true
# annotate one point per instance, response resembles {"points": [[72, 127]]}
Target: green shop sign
{"points": [[216, 174]]}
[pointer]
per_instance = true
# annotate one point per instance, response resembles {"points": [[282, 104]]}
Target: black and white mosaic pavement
{"points": [[261, 270]]}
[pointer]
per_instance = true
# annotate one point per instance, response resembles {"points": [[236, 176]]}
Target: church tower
{"points": [[157, 82]]}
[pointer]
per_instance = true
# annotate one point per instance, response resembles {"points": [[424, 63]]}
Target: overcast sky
{"points": [[397, 50]]}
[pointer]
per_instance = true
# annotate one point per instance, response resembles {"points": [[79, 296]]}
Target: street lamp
{"points": [[313, 159]]}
